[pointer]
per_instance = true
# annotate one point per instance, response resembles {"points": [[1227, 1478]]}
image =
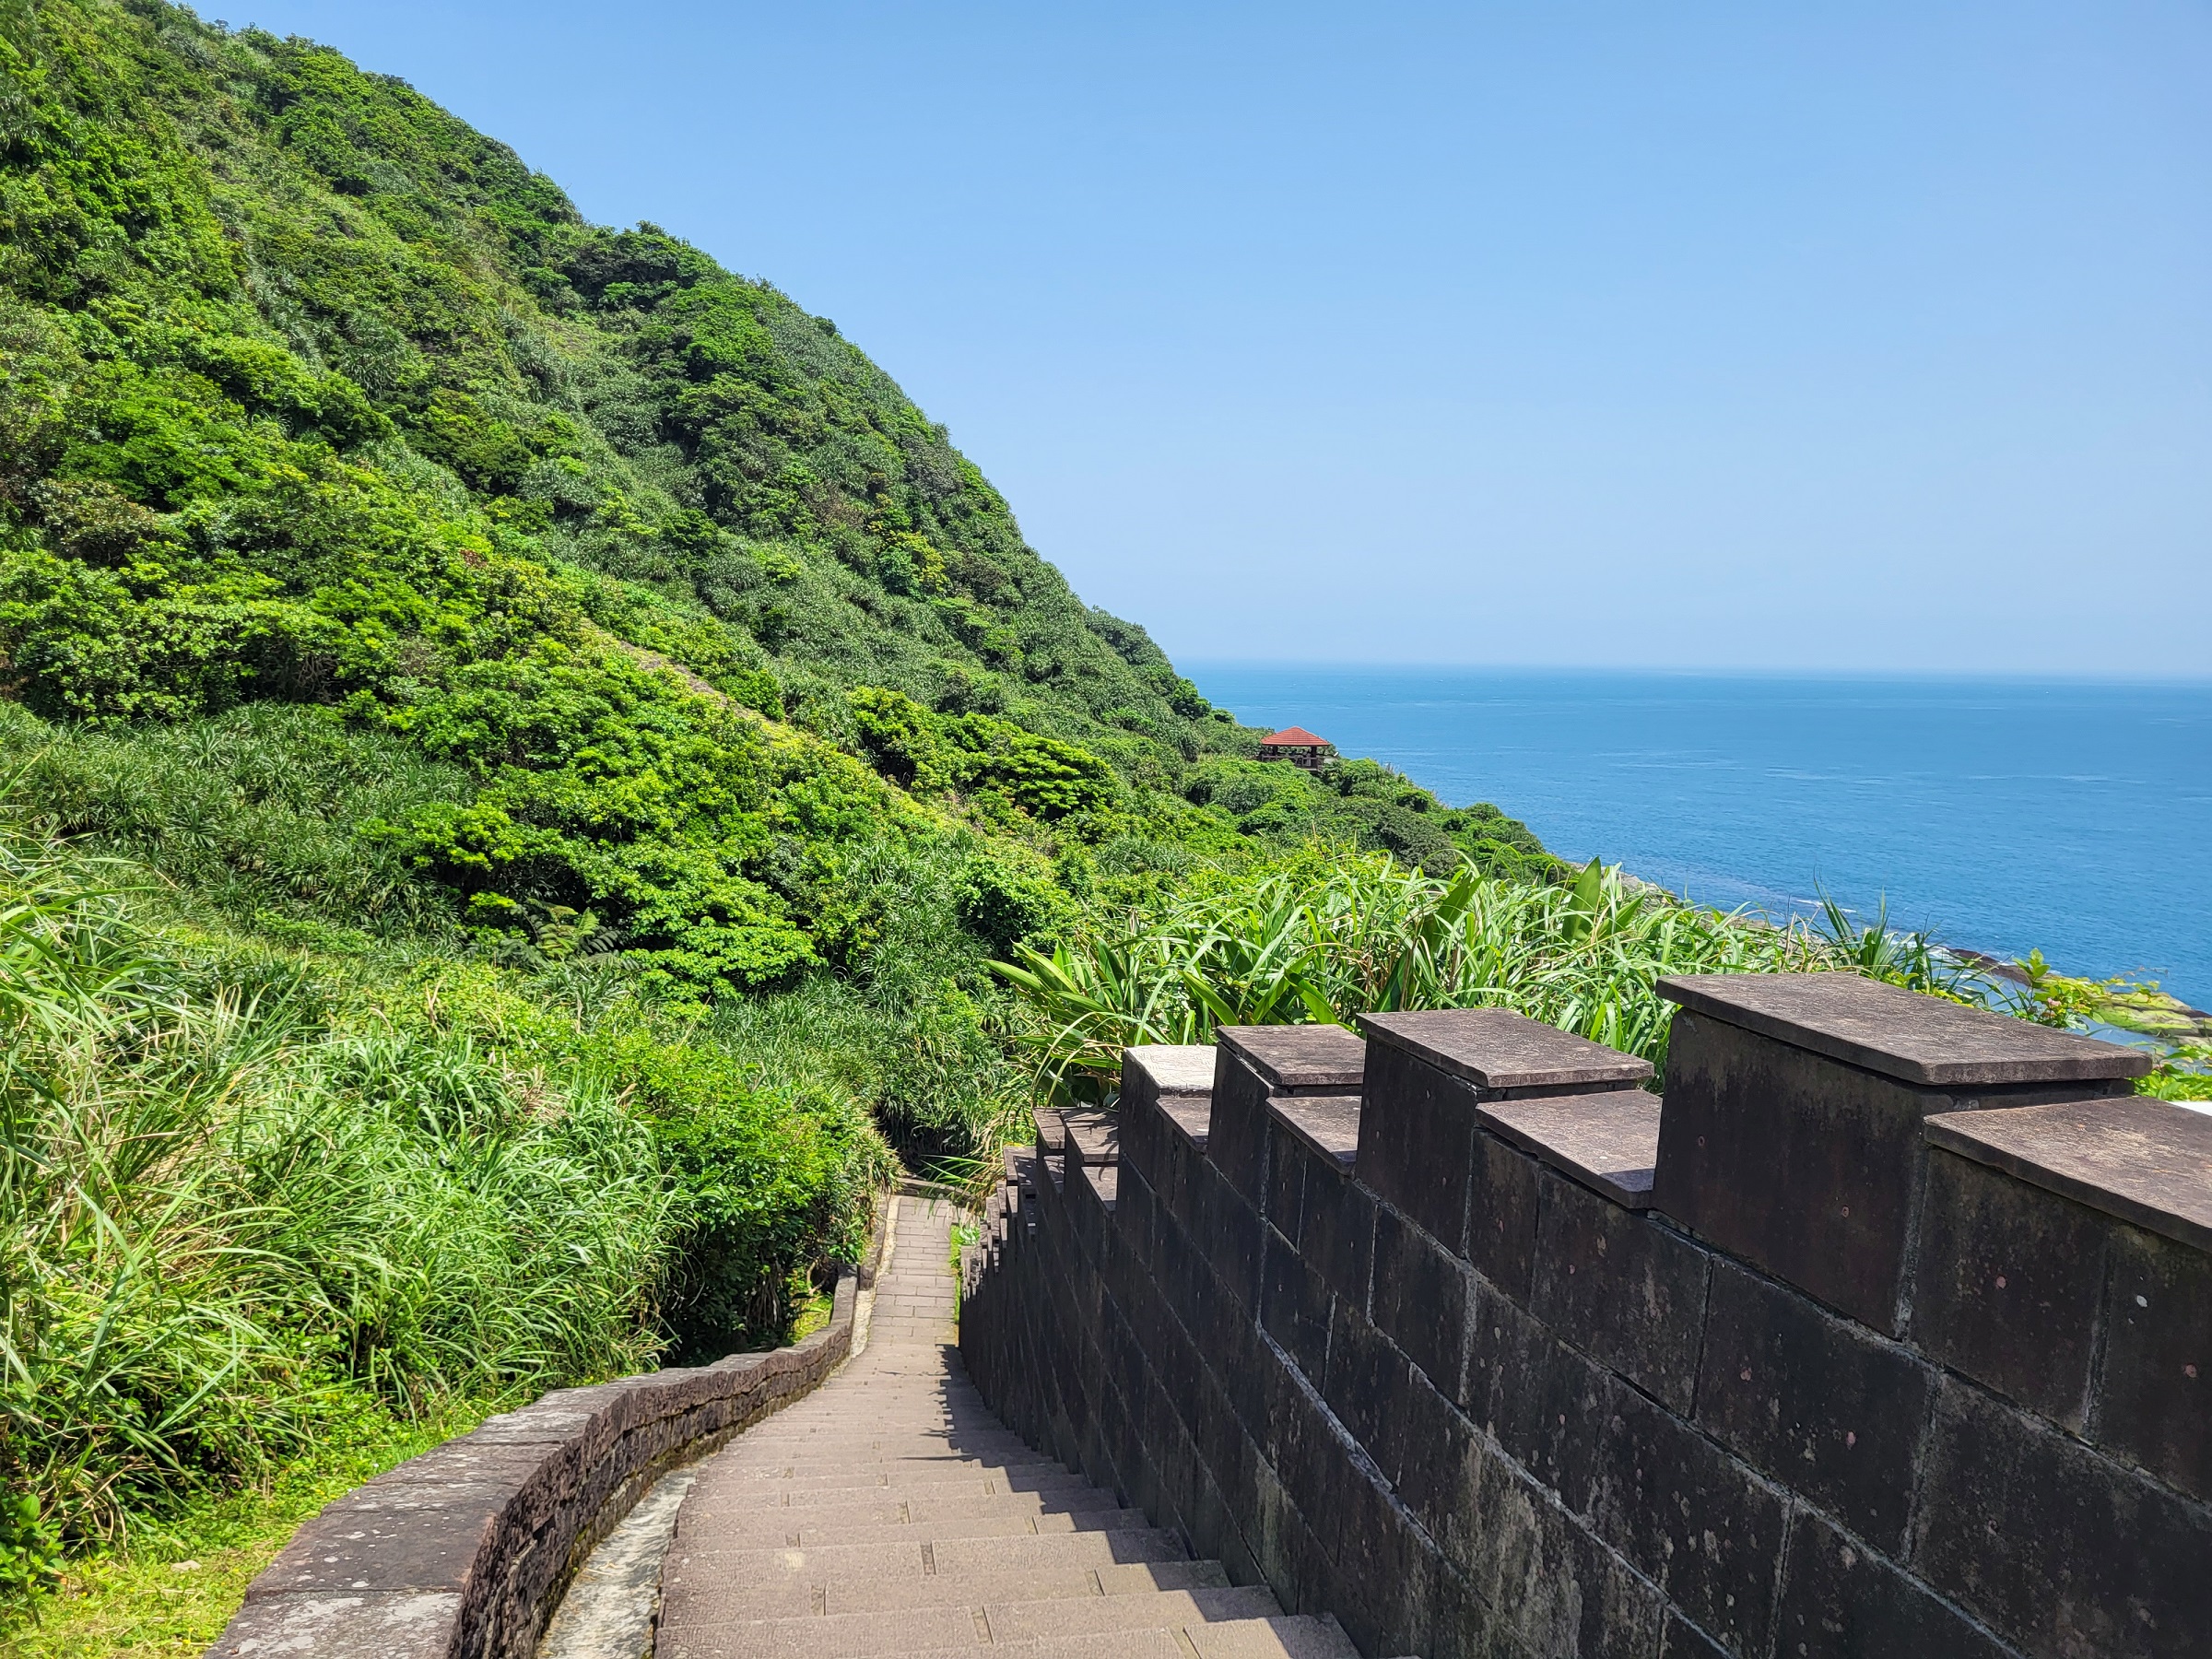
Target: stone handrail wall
{"points": [[464, 1552], [1887, 1332]]}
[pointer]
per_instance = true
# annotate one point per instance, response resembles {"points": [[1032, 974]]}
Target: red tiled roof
{"points": [[1294, 737]]}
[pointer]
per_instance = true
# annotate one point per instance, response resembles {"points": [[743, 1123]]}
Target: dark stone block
{"points": [[1294, 1306], [1814, 1401], [1366, 1381], [1690, 1517], [1232, 1239], [1556, 1588], [1500, 1052], [2142, 1161], [1155, 1072], [2153, 1402], [1093, 1139], [1302, 1059], [1428, 1451], [1327, 1124], [1336, 1234], [1416, 1129], [1543, 1402], [2058, 1549], [1626, 1290], [1460, 1624], [1802, 1164], [1287, 1163], [1682, 1640], [2010, 1282], [1607, 1141], [1423, 1299], [1237, 1139], [1840, 1602], [1899, 1033], [1501, 1217]]}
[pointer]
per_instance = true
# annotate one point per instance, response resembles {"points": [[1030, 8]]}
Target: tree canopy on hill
{"points": [[314, 394]]}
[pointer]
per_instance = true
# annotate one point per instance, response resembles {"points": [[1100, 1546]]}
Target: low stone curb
{"points": [[464, 1552]]}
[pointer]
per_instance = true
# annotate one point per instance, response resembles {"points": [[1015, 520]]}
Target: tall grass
{"points": [[1359, 933], [222, 1215]]}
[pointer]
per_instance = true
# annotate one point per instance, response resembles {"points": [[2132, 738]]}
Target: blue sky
{"points": [[1712, 335]]}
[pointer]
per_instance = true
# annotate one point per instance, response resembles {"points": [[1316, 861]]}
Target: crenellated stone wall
{"points": [[1885, 1332]]}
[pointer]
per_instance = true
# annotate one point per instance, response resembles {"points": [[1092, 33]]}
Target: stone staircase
{"points": [[891, 1513]]}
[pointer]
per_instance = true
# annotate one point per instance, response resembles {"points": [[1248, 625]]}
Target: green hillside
{"points": [[517, 748]]}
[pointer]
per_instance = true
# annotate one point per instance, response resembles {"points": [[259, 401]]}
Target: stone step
{"points": [[966, 1629], [713, 1597], [792, 1495], [801, 1530], [920, 1558], [872, 1509], [1015, 1477]]}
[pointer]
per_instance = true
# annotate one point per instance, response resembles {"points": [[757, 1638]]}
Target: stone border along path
{"points": [[889, 1513]]}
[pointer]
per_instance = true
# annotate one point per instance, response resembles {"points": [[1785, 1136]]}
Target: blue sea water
{"points": [[2073, 818]]}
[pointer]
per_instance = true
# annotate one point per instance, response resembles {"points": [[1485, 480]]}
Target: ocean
{"points": [[2074, 818]]}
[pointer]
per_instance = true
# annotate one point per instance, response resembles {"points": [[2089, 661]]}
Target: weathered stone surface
{"points": [[1814, 1401], [1656, 1444], [1544, 1402], [1840, 1602], [2154, 1403], [2147, 1161], [1802, 1164], [342, 1626], [1424, 1301], [1417, 1142], [1170, 1068], [1607, 1140], [1900, 1033], [1294, 1306], [1092, 1138], [2011, 1285], [1191, 1114], [432, 1543], [2060, 1551], [1690, 1517], [1499, 1050], [1625, 1290], [1316, 1059], [1337, 1229], [1328, 1123], [1236, 1142]]}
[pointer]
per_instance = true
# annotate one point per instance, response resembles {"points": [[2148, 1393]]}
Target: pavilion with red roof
{"points": [[1299, 746]]}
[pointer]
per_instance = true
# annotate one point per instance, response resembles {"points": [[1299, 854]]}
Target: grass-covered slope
{"points": [[516, 748]]}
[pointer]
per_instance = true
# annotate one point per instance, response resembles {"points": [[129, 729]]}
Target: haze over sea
{"points": [[2006, 815]]}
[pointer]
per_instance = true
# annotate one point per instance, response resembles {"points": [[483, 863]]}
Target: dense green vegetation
{"points": [[519, 749], [518, 746]]}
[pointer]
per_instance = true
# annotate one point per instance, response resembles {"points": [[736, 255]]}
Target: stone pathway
{"points": [[890, 1514]]}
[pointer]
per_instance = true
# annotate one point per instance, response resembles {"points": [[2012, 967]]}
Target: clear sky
{"points": [[1868, 336]]}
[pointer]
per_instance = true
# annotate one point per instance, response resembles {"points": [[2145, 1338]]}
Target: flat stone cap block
{"points": [[1051, 1135], [2144, 1160], [1328, 1123], [1174, 1067], [1106, 1183], [1303, 1056], [343, 1626], [1496, 1048], [1192, 1114], [1900, 1033], [1607, 1141], [1093, 1139]]}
